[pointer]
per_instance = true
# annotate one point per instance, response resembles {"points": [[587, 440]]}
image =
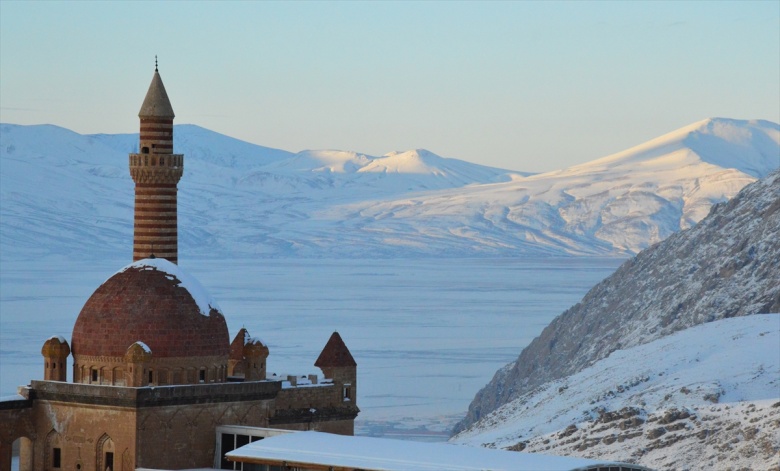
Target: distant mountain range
{"points": [[669, 336], [68, 195]]}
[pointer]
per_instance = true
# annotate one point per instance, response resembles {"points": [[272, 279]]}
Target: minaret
{"points": [[156, 170]]}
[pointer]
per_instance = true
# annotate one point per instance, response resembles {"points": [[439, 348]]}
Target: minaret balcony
{"points": [[156, 168]]}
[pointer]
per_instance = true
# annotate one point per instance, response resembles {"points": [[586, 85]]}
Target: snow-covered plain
{"points": [[426, 334]]}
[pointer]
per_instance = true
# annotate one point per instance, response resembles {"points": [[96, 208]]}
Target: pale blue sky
{"points": [[526, 85]]}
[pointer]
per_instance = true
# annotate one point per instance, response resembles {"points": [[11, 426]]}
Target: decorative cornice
{"points": [[153, 396], [156, 175]]}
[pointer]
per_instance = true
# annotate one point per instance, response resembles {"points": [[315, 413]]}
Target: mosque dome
{"points": [[155, 302]]}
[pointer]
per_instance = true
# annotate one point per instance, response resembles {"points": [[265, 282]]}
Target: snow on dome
{"points": [[143, 346], [183, 279], [60, 338], [156, 302]]}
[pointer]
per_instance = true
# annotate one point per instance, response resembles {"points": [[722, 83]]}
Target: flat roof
{"points": [[325, 450]]}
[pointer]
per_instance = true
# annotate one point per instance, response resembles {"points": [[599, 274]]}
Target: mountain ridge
{"points": [[725, 266], [332, 204]]}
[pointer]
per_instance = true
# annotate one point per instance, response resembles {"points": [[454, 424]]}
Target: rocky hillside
{"points": [[707, 397], [726, 266], [740, 436]]}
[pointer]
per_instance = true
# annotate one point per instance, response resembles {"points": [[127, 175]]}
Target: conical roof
{"points": [[156, 104], [335, 354]]}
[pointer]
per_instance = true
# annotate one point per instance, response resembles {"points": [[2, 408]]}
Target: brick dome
{"points": [[155, 302]]}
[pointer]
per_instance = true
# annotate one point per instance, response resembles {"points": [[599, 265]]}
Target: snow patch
{"points": [[145, 347]]}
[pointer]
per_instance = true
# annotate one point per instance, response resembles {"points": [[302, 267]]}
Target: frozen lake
{"points": [[427, 334]]}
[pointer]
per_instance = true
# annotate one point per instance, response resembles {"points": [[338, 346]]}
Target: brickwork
{"points": [[247, 357], [187, 433], [135, 424], [155, 217], [146, 305], [156, 135], [156, 172], [84, 434], [55, 353], [164, 371], [17, 422]]}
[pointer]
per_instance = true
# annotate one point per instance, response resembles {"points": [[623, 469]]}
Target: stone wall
{"points": [[184, 436], [319, 407], [17, 422], [85, 434], [166, 427]]}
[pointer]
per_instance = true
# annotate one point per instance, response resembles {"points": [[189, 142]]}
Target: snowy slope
{"points": [[65, 194], [624, 202], [706, 397], [725, 266]]}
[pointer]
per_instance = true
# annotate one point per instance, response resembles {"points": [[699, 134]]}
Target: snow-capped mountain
{"points": [[69, 195], [724, 267], [621, 203], [709, 398]]}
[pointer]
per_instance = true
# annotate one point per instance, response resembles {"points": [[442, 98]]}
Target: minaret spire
{"points": [[156, 170]]}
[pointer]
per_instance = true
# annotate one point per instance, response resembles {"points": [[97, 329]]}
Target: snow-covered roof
{"points": [[369, 453]]}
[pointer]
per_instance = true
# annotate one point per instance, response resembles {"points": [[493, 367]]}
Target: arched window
{"points": [[105, 453], [52, 451]]}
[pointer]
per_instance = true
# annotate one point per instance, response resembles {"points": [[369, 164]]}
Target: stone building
{"points": [[154, 371]]}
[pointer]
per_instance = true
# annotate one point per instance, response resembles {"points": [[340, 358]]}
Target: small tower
{"points": [[156, 170], [256, 354], [137, 358], [248, 357], [55, 352], [336, 363]]}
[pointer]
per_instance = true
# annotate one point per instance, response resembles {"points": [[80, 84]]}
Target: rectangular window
{"points": [[56, 458], [227, 447], [94, 376], [151, 377], [109, 461], [202, 376], [229, 443]]}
